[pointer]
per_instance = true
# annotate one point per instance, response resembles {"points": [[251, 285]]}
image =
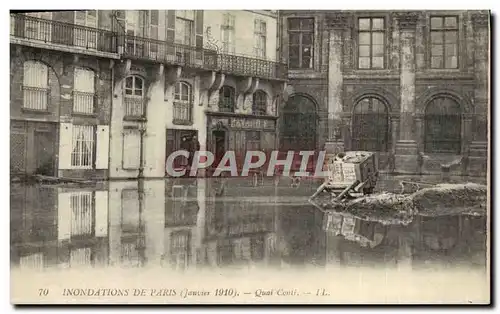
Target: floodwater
{"points": [[182, 225]]}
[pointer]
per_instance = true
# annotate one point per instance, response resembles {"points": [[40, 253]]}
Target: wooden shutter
{"points": [[199, 34], [131, 149], [65, 145], [102, 147], [170, 32], [101, 213], [63, 215]]}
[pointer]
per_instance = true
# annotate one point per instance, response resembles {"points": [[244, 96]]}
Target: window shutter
{"points": [[65, 145], [101, 213], [199, 33], [63, 215], [102, 147], [170, 31], [131, 149]]}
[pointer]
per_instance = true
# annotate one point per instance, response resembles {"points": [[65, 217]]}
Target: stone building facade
{"points": [[111, 93], [60, 95], [412, 86], [242, 105]]}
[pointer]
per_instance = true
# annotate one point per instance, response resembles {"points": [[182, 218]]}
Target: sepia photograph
{"points": [[209, 156]]}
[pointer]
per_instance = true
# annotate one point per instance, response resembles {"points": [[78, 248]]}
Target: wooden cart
{"points": [[350, 174]]}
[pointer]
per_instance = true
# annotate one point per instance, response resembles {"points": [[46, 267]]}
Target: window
{"points": [[301, 40], [35, 85], [179, 249], [444, 42], [82, 154], [370, 125], [183, 103], [85, 37], [443, 126], [260, 31], [153, 17], [227, 99], [371, 43], [83, 91], [134, 96], [38, 26], [259, 104], [131, 149], [184, 31], [130, 19], [81, 204], [228, 33]]}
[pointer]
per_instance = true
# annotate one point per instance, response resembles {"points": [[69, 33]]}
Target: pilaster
{"points": [[338, 23], [406, 146]]}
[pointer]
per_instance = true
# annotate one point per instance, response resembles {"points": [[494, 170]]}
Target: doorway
{"points": [[219, 140]]}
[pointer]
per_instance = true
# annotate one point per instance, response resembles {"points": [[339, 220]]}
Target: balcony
{"points": [[248, 66], [134, 47], [194, 57], [42, 33], [134, 107], [182, 113], [83, 103], [35, 98]]}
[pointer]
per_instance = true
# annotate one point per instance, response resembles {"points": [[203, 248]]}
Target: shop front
{"points": [[239, 133]]}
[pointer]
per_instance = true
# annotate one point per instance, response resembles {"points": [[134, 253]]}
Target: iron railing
{"points": [[135, 47], [134, 107], [227, 105], [83, 102], [248, 66], [55, 32], [94, 39], [182, 112], [35, 98]]}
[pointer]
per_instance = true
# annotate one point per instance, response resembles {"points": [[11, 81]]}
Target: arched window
{"points": [[134, 96], [370, 125], [35, 85], [443, 126], [183, 103], [259, 103], [227, 99], [298, 129]]}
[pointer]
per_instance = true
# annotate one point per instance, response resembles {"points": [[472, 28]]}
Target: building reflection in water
{"points": [[183, 224]]}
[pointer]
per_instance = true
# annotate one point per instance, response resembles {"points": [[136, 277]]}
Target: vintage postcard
{"points": [[249, 157]]}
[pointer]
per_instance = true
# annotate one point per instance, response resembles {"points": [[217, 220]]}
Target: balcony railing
{"points": [[167, 52], [35, 98], [174, 53], [226, 105], [134, 107], [83, 102], [182, 113], [248, 66], [55, 32]]}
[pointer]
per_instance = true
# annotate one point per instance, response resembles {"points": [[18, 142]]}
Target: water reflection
{"points": [[186, 224]]}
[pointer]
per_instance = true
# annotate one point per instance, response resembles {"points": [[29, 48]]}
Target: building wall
{"points": [[244, 30], [62, 55], [61, 67], [406, 84]]}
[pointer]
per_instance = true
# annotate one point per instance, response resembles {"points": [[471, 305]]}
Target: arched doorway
{"points": [[299, 124], [370, 125], [443, 125]]}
